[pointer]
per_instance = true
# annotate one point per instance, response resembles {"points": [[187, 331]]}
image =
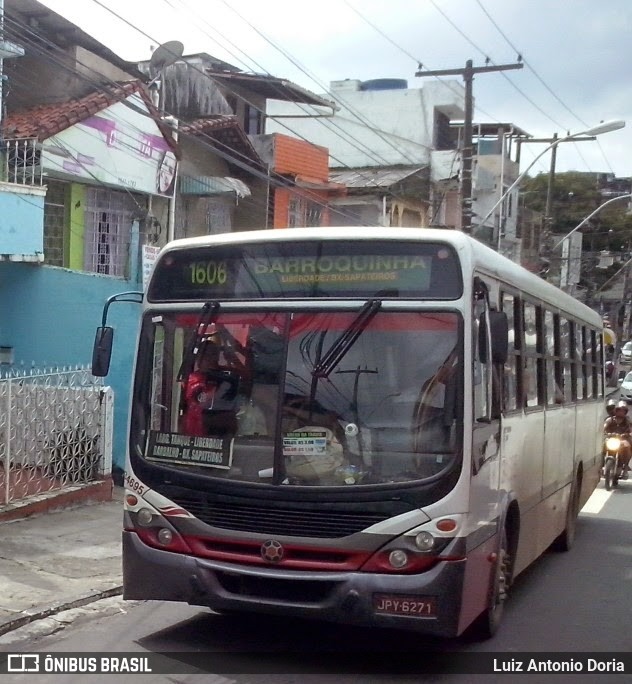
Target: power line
{"points": [[416, 60], [230, 156], [548, 88], [467, 152], [234, 92]]}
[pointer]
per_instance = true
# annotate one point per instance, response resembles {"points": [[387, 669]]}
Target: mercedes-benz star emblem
{"points": [[271, 551]]}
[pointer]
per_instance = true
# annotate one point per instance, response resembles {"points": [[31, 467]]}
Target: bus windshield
{"points": [[309, 398]]}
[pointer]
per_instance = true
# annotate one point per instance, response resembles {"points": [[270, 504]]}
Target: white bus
{"points": [[363, 425]]}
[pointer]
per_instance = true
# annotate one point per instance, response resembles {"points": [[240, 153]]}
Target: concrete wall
{"points": [[49, 316], [39, 80], [394, 127]]}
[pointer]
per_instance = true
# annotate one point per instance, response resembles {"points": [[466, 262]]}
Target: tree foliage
{"points": [[575, 196]]}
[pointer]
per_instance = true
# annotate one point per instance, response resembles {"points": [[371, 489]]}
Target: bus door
{"points": [[486, 412]]}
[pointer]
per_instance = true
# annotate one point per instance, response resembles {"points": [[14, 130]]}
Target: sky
{"points": [[576, 53]]}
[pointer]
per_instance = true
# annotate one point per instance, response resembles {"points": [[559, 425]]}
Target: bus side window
{"points": [[480, 369], [511, 383]]}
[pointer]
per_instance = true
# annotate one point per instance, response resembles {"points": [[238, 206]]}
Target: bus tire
{"points": [[488, 622], [566, 540]]}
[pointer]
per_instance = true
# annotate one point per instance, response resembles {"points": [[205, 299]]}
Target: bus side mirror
{"points": [[499, 334], [102, 351]]}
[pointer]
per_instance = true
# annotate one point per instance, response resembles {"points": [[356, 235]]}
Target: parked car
{"points": [[625, 357], [625, 389]]}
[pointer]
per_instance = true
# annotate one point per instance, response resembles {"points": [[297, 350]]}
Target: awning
{"points": [[212, 185]]}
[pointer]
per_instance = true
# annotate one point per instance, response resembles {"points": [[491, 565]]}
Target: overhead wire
{"points": [[329, 123], [507, 78], [546, 85], [445, 82], [233, 91], [289, 57], [229, 156], [416, 60]]}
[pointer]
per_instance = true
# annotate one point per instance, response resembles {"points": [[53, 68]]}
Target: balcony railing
{"points": [[21, 161]]}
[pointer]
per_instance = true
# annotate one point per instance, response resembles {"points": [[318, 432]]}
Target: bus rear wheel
{"points": [[566, 540]]}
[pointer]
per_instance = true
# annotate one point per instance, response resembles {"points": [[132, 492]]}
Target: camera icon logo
{"points": [[23, 662]]}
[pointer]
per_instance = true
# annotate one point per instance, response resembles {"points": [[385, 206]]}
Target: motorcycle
{"points": [[609, 369], [612, 466]]}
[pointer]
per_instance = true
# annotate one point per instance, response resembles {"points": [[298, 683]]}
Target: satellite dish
{"points": [[165, 55]]}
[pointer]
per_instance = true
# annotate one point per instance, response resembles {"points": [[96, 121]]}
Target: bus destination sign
{"points": [[171, 447], [385, 269]]}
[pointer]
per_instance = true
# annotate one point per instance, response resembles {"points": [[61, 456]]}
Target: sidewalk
{"points": [[59, 560]]}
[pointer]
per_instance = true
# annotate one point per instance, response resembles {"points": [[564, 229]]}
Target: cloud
{"points": [[580, 50]]}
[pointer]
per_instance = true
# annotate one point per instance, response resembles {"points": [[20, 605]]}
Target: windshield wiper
{"points": [[207, 316], [347, 339]]}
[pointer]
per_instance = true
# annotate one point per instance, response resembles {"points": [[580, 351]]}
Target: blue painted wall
{"points": [[22, 220], [49, 316]]}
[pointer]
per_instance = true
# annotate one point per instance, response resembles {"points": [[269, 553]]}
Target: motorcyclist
{"points": [[611, 404], [620, 424]]}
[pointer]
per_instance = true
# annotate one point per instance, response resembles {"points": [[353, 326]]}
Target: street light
{"points": [[585, 220], [603, 127]]}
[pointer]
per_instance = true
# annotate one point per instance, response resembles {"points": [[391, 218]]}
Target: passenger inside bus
{"points": [[435, 412]]}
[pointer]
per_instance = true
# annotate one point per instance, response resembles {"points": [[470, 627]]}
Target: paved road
{"points": [[574, 602]]}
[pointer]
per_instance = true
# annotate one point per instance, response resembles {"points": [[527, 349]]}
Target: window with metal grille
{"points": [[54, 223], [313, 214], [109, 217], [303, 213], [295, 213]]}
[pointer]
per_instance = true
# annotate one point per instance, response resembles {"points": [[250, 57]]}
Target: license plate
{"points": [[396, 604]]}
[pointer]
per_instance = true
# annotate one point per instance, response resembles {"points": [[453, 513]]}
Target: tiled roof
{"points": [[224, 133], [44, 121], [207, 124]]}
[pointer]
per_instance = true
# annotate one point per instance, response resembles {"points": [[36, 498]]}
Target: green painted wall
{"points": [[76, 228]]}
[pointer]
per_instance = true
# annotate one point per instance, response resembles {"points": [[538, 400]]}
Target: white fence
{"points": [[55, 431]]}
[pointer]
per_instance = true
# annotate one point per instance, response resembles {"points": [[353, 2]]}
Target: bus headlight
{"points": [[165, 536], [144, 517], [398, 558], [424, 541]]}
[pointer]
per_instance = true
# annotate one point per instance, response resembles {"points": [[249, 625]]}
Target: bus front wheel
{"points": [[488, 622]]}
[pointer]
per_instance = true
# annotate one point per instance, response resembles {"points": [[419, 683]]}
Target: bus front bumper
{"points": [[428, 602]]}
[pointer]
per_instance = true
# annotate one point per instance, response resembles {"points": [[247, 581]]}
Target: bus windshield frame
{"points": [[268, 413]]}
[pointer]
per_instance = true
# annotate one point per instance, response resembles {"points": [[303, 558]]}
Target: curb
{"points": [[23, 620], [100, 491]]}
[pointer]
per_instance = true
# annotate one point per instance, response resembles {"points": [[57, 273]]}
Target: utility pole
{"points": [[7, 51], [547, 221], [548, 213], [466, 143]]}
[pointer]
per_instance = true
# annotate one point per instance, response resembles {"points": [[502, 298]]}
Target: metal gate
{"points": [[55, 431]]}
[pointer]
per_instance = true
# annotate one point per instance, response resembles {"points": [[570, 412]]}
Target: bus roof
{"points": [[475, 252]]}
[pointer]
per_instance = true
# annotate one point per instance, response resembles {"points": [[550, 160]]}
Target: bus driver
{"points": [[209, 394]]}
